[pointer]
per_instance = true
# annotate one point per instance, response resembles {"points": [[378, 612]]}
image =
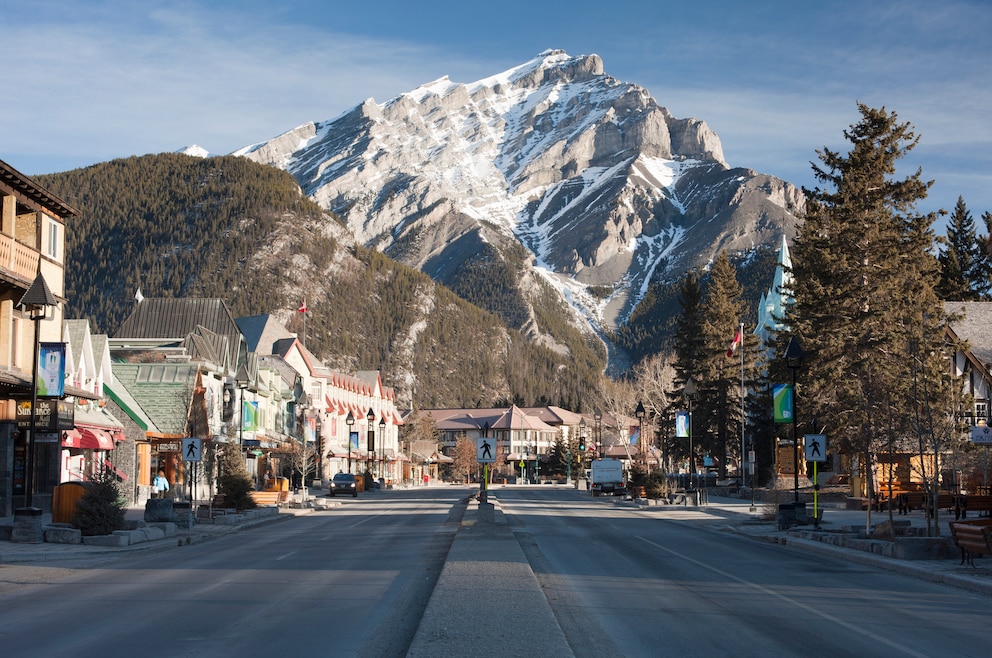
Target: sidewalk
{"points": [[11, 552]]}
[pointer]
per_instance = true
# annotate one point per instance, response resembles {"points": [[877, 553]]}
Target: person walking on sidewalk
{"points": [[160, 485]]}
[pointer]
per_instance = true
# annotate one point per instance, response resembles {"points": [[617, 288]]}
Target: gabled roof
{"points": [[162, 391], [32, 191], [205, 345], [261, 333], [513, 418], [975, 327], [120, 395], [166, 318]]}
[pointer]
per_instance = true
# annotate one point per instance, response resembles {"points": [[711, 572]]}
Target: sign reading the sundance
{"points": [[53, 415]]}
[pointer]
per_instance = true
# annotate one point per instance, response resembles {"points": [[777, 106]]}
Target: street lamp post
{"points": [[537, 462], [690, 393], [382, 445], [581, 445], [639, 413], [370, 448], [794, 360], [350, 422], [241, 379], [583, 435], [36, 301], [598, 417]]}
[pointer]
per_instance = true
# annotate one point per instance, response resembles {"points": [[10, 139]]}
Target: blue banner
{"points": [[782, 397], [682, 424], [51, 370]]}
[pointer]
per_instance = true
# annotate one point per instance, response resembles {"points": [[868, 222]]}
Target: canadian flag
{"points": [[303, 307], [738, 339]]}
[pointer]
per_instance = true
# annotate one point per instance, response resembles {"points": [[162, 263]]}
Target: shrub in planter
{"points": [[235, 483], [101, 509]]}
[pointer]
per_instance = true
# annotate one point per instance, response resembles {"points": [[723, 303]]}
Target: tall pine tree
{"points": [[688, 348], [963, 262], [865, 302], [719, 418]]}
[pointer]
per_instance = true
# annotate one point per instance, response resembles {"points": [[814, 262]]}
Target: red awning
{"points": [[96, 439], [86, 438]]}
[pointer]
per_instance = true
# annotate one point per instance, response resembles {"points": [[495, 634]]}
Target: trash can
{"points": [[64, 499], [791, 514]]}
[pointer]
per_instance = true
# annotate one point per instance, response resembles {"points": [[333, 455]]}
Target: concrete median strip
{"points": [[487, 600]]}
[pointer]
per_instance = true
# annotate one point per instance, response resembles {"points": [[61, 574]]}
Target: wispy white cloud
{"points": [[775, 80]]}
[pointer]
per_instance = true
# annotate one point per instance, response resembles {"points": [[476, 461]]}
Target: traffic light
{"points": [[582, 444]]}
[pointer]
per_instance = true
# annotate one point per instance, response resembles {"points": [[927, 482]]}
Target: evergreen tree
{"points": [[985, 249], [718, 419], [963, 263], [865, 291], [688, 348]]}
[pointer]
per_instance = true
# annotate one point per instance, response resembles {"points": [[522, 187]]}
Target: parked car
{"points": [[344, 483]]}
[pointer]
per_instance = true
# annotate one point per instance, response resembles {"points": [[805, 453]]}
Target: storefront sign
{"points": [[52, 416]]}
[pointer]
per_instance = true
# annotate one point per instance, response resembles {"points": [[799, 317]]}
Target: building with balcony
{"points": [[32, 243]]}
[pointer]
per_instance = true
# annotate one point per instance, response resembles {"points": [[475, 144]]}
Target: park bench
{"points": [[912, 500], [965, 503], [216, 507], [269, 497], [893, 492], [974, 538]]}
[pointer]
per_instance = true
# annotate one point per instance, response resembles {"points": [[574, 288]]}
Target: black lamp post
{"points": [[581, 446], [370, 448], [36, 301], [794, 360], [241, 379], [382, 445], [598, 417], [639, 413], [350, 422], [690, 393]]}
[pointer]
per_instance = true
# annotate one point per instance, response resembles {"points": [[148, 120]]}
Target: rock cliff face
{"points": [[600, 184]]}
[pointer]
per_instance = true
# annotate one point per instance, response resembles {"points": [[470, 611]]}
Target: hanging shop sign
{"points": [[52, 416]]}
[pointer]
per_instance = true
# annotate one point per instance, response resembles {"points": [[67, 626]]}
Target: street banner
{"points": [[782, 397], [249, 416], [981, 434], [51, 373], [682, 424]]}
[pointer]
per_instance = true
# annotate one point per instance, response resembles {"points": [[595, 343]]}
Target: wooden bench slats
{"points": [[974, 538], [269, 497]]}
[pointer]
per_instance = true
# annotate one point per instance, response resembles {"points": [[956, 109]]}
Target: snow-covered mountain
{"points": [[601, 184]]}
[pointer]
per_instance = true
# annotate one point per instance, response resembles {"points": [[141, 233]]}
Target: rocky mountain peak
{"points": [[591, 175]]}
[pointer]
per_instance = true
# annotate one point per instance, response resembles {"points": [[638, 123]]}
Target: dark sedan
{"points": [[344, 483]]}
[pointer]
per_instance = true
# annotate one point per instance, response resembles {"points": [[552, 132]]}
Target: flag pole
{"points": [[743, 417]]}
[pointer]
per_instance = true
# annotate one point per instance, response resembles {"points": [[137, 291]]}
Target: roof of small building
{"points": [[168, 318], [975, 327]]}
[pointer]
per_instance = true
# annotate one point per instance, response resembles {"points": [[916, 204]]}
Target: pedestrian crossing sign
{"points": [[485, 450], [816, 447]]}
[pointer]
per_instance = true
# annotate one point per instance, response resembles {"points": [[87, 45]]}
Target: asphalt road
{"points": [[673, 582], [355, 581], [350, 581]]}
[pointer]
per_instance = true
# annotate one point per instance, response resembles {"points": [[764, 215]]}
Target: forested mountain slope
{"points": [[174, 225]]}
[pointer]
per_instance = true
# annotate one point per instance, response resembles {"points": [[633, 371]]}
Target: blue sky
{"points": [[89, 81]]}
